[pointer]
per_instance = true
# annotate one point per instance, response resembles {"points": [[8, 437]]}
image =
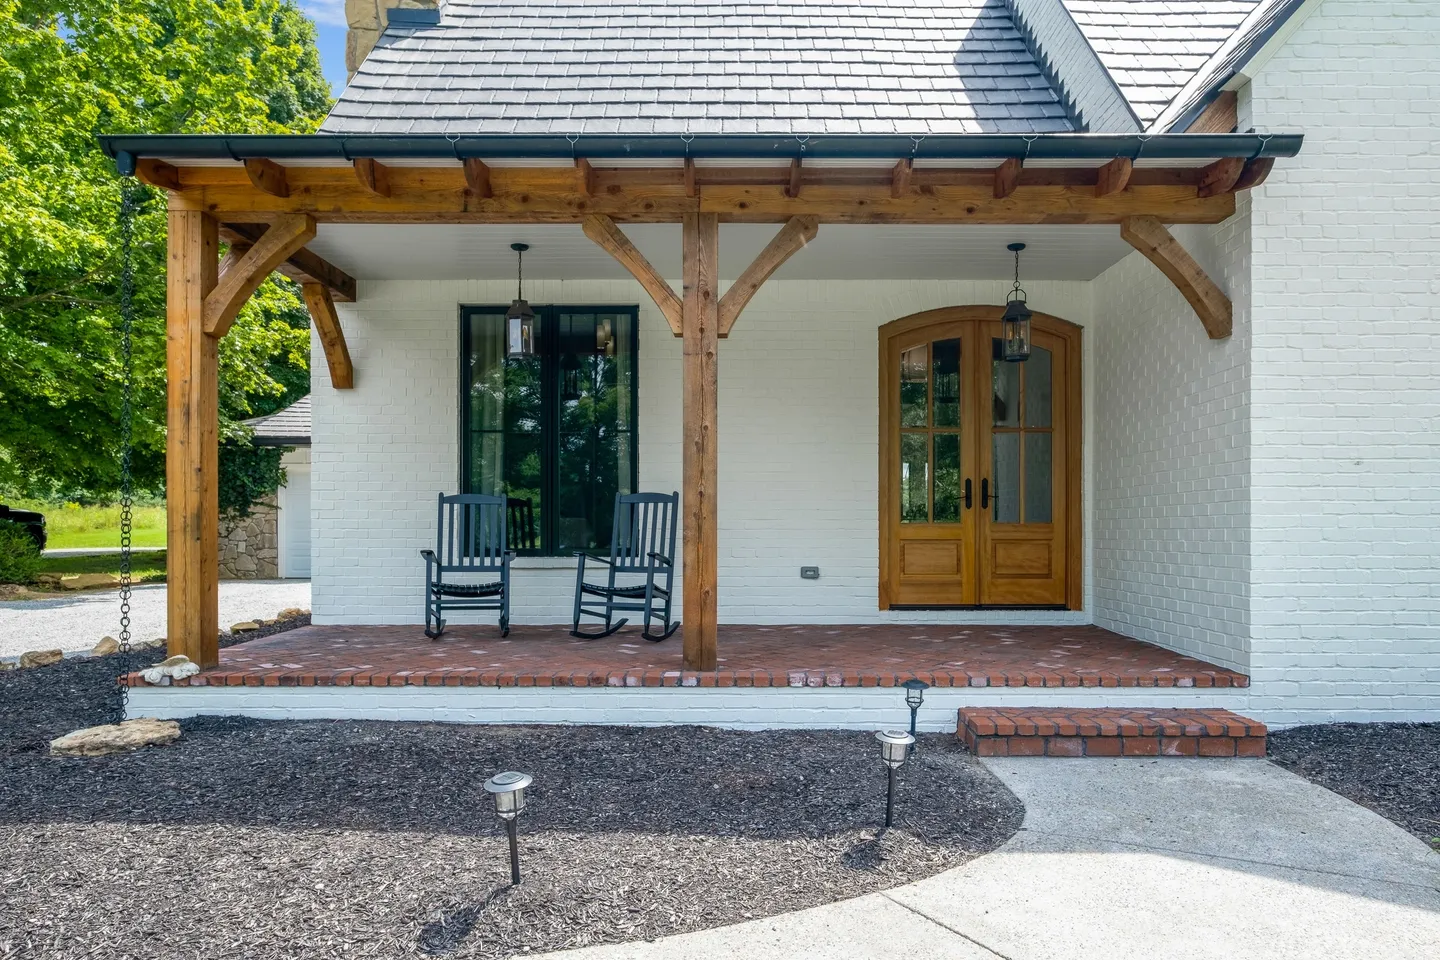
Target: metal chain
{"points": [[131, 194]]}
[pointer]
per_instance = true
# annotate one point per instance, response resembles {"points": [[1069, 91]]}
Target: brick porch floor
{"points": [[750, 656]]}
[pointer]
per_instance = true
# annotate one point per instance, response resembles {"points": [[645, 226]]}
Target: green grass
{"points": [[70, 526], [145, 566]]}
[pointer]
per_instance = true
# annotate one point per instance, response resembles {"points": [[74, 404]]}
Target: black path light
{"points": [[508, 789], [1015, 323], [894, 748], [520, 319], [914, 696]]}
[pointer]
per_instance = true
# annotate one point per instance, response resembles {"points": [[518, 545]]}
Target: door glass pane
{"points": [[947, 477], [946, 365], [1038, 475], [914, 380], [1006, 389], [914, 478], [1037, 387], [1005, 485]]}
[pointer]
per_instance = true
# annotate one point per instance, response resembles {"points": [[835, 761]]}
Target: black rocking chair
{"points": [[471, 542], [642, 542]]}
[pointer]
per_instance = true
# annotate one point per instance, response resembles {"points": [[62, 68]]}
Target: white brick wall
{"points": [[1345, 401], [798, 445], [1171, 444]]}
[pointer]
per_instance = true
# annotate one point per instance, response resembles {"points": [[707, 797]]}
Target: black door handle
{"points": [[985, 494], [967, 493]]}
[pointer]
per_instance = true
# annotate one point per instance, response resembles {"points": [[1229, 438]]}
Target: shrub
{"points": [[19, 557], [248, 475]]}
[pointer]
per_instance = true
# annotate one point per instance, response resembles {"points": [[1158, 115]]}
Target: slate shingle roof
{"points": [[1153, 47], [672, 66], [284, 428]]}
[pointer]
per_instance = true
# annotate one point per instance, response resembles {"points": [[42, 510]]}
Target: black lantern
{"points": [[894, 750], [520, 319], [1015, 323], [914, 696], [508, 789]]}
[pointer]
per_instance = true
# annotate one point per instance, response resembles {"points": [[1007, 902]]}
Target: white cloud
{"points": [[329, 12]]}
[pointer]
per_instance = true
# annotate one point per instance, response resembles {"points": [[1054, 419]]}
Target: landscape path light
{"points": [[894, 748], [508, 789], [914, 696]]}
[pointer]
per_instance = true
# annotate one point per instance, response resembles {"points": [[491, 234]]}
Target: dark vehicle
{"points": [[33, 522]]}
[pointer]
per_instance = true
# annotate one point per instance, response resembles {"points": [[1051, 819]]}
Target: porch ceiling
{"points": [[840, 252]]}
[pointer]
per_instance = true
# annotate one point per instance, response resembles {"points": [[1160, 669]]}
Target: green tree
{"points": [[73, 69]]}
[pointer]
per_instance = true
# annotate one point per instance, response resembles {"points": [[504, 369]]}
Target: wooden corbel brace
{"points": [[1149, 236], [241, 275], [613, 241], [797, 232]]}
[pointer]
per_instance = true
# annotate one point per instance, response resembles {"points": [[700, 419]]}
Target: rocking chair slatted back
{"points": [[644, 524], [471, 534]]}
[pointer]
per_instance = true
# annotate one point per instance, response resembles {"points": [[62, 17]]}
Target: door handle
{"points": [[967, 493], [985, 494]]}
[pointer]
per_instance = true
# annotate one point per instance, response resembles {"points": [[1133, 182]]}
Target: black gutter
{"points": [[125, 149]]}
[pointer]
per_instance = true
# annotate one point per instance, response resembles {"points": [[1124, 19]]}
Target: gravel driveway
{"points": [[75, 621]]}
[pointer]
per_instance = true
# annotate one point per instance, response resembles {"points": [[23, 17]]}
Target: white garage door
{"points": [[295, 523]]}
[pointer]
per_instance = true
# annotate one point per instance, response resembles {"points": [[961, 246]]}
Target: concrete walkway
{"points": [[75, 621], [1121, 859]]}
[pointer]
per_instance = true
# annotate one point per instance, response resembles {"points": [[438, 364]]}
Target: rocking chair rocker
{"points": [[642, 541], [471, 541]]}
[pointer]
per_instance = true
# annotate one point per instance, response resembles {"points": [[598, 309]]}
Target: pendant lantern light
{"points": [[1015, 323], [520, 319]]}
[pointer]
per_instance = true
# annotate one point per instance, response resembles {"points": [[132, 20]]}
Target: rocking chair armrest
{"points": [[662, 558], [582, 556], [429, 556]]}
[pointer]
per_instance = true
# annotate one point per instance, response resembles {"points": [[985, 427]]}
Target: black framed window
{"points": [[554, 432]]}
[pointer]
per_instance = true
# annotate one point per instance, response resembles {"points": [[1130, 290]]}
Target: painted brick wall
{"points": [[798, 444], [1345, 403], [1171, 443]]}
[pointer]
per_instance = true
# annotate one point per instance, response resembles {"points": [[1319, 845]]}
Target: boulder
{"points": [[245, 626], [89, 581], [6, 665], [105, 647], [41, 658], [115, 738], [289, 612]]}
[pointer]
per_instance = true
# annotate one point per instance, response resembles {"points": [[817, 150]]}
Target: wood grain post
{"points": [[700, 329], [192, 466]]}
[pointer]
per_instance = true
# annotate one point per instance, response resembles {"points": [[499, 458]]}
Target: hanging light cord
{"points": [[520, 274], [1017, 289]]}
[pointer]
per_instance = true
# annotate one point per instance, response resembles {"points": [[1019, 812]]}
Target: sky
{"points": [[329, 17]]}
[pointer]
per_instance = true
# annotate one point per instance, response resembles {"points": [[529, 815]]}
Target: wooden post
{"points": [[192, 466], [700, 329]]}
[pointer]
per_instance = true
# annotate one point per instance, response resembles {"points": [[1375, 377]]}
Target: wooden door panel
{"points": [[931, 558], [1022, 558]]}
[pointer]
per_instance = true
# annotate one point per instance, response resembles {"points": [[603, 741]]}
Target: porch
{"points": [[802, 675]]}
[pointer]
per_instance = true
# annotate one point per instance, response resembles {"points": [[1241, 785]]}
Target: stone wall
{"points": [[367, 19], [250, 548]]}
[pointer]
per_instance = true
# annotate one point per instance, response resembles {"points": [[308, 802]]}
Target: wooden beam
{"points": [[1254, 174], [373, 176], [900, 177], [613, 241], [1221, 116], [790, 240], [701, 326], [302, 266], [332, 338], [792, 187], [268, 176], [1220, 176], [1114, 176], [1149, 236], [244, 274], [692, 189], [1007, 178], [587, 176], [157, 173], [477, 178], [192, 499]]}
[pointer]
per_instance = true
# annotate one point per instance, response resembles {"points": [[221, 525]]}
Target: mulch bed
{"points": [[1392, 768], [290, 839]]}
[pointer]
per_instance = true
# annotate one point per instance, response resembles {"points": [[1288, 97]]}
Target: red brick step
{"points": [[1108, 732]]}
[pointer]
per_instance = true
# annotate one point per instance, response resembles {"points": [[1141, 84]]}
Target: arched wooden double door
{"points": [[979, 463]]}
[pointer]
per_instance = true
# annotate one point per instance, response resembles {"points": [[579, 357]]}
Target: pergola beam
{"points": [[1114, 176], [373, 175], [1160, 247], [302, 266], [267, 176]]}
